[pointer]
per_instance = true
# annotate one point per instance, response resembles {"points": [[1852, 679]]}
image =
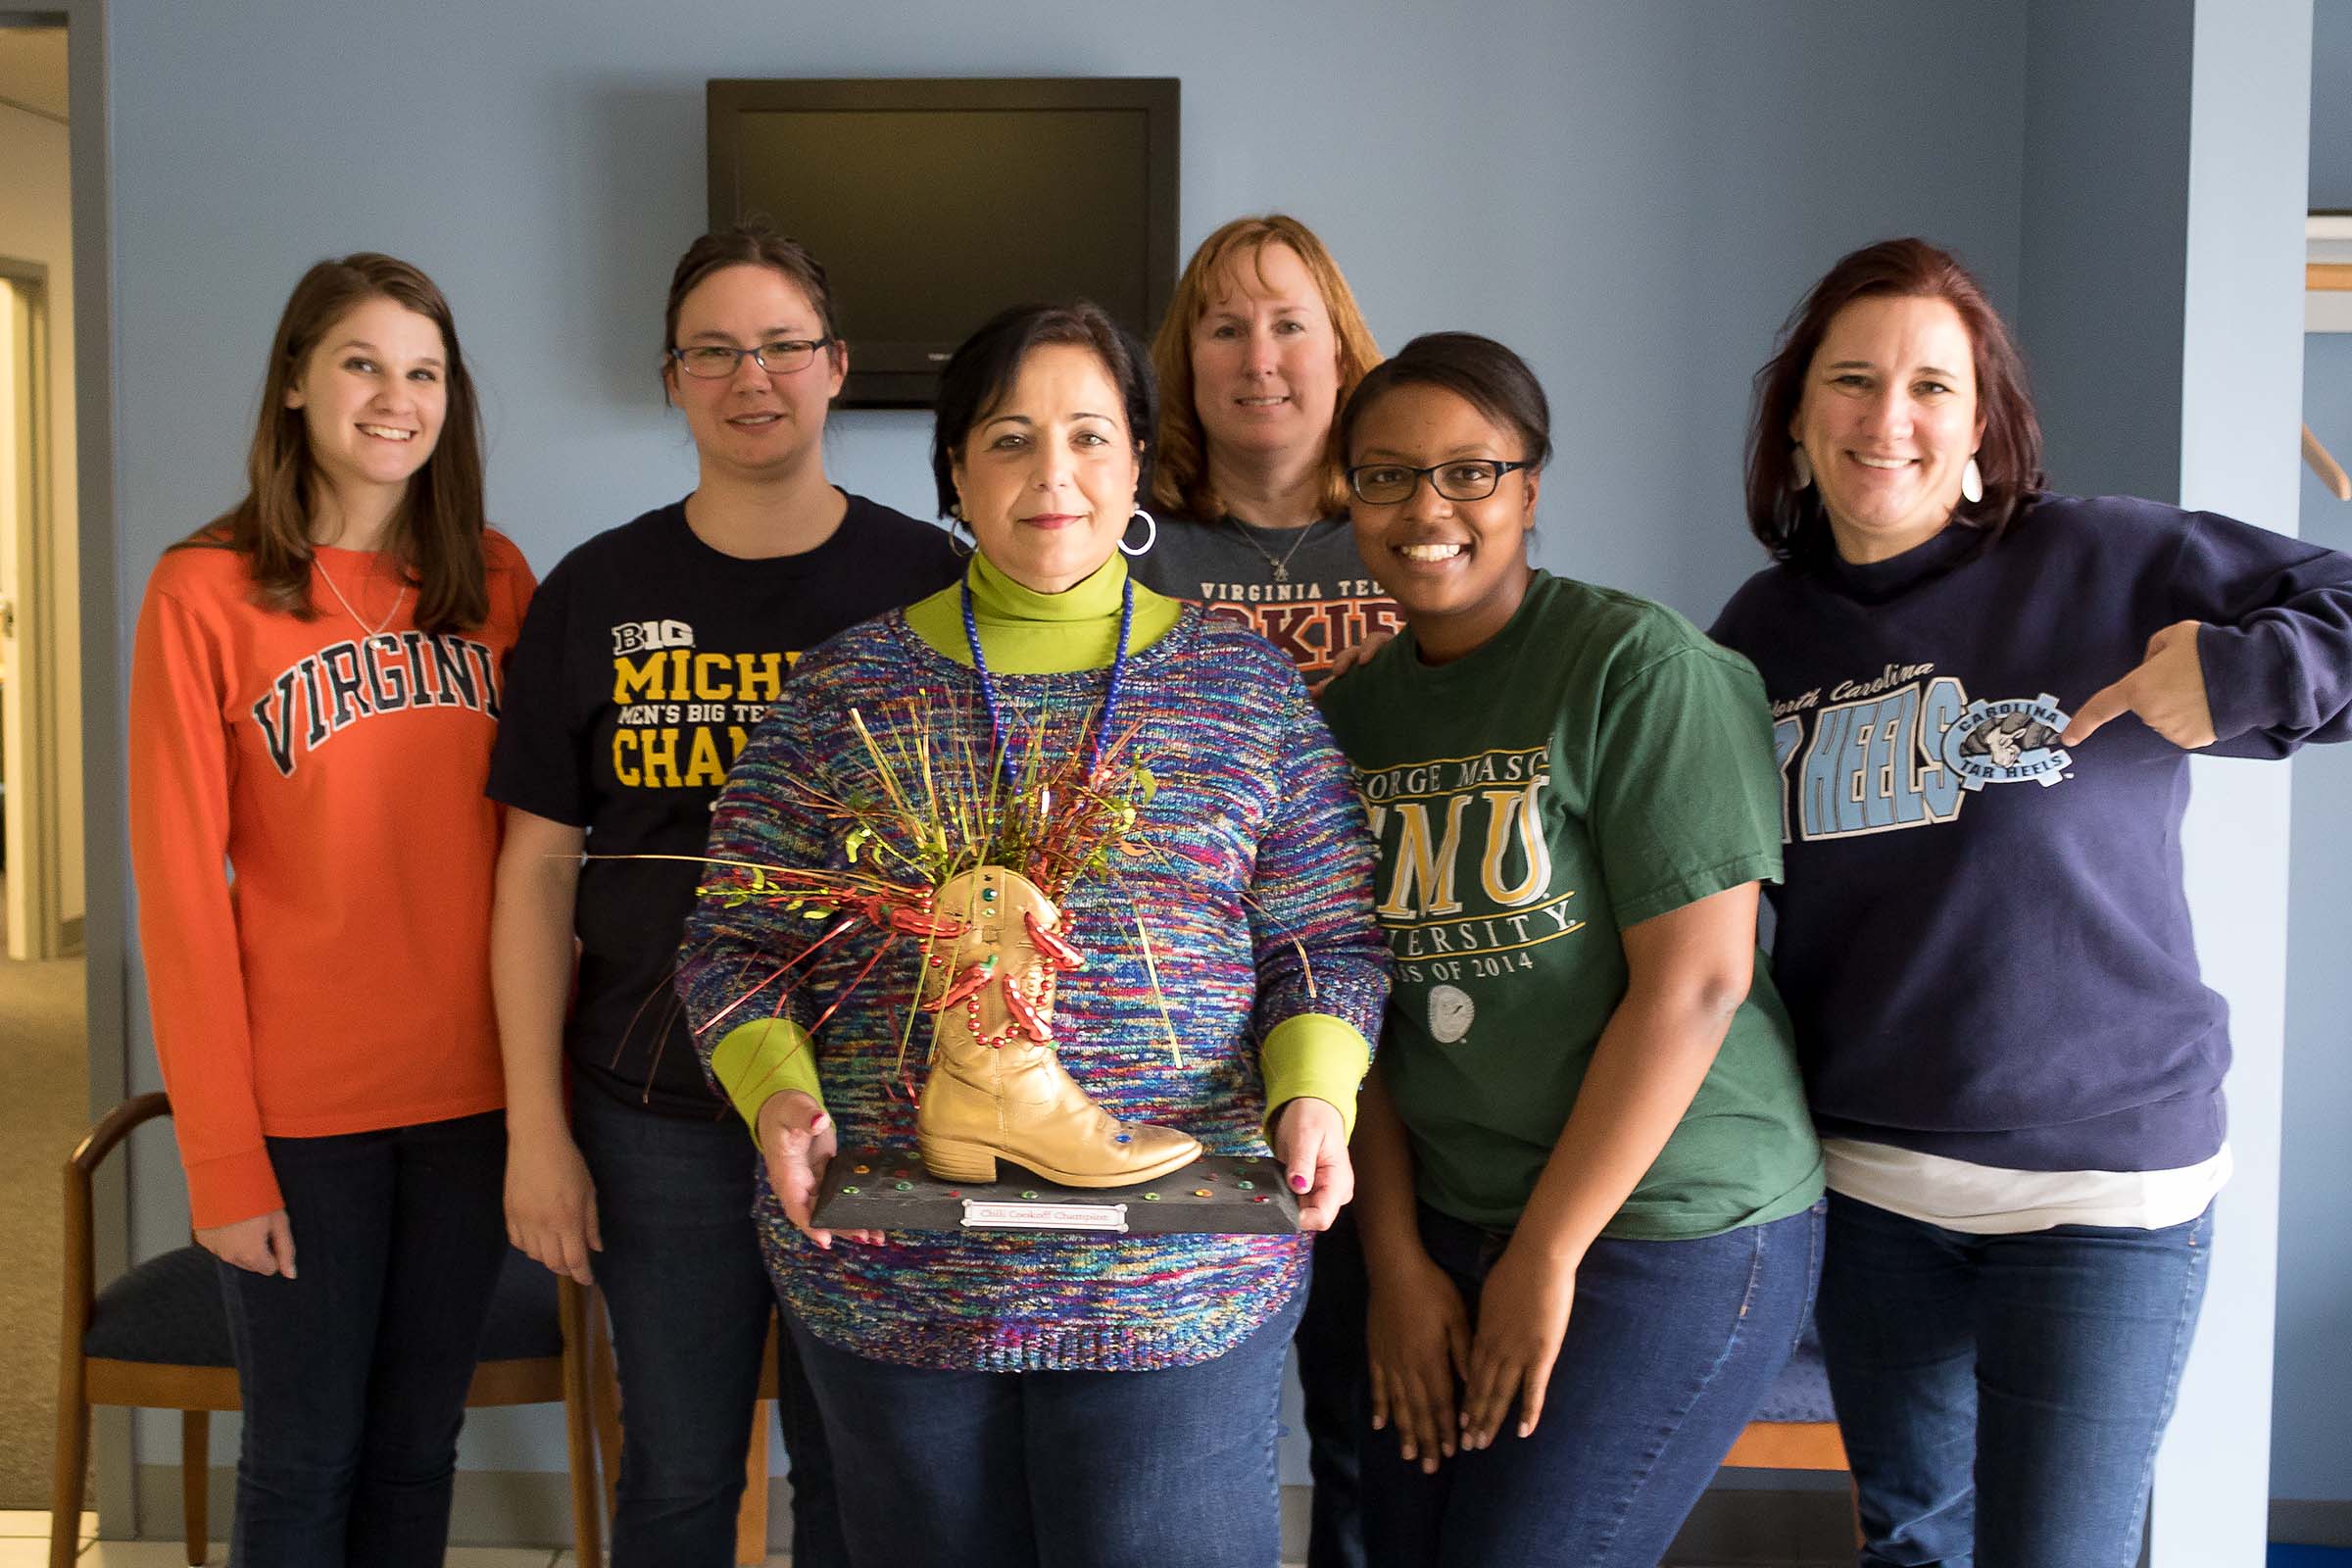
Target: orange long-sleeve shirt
{"points": [[314, 855]]}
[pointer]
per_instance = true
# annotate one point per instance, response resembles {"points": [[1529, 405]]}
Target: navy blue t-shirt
{"points": [[1983, 938], [646, 660]]}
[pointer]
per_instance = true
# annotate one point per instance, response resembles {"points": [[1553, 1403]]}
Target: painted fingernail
{"points": [[1298, 1184]]}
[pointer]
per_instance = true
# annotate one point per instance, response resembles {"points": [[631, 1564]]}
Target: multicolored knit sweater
{"points": [[1259, 908]]}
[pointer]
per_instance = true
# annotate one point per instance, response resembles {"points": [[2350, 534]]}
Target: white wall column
{"points": [[2241, 393]]}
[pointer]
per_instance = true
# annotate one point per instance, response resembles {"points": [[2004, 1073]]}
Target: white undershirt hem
{"points": [[1988, 1201]]}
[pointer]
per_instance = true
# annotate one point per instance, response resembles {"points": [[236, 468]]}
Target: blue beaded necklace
{"points": [[988, 687]]}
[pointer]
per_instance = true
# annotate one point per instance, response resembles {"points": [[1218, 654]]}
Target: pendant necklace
{"points": [[988, 688], [1282, 568], [375, 633]]}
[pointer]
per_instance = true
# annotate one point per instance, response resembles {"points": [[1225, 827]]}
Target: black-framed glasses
{"points": [[1384, 484], [710, 361]]}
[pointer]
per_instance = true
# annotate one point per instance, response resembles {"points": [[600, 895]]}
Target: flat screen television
{"points": [[935, 203]]}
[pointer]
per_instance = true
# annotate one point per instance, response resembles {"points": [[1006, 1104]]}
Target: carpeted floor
{"points": [[44, 1106]]}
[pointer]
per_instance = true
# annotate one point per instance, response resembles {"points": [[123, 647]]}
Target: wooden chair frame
{"points": [[196, 1391]]}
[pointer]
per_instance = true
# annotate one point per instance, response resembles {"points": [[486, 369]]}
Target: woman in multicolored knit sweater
{"points": [[1046, 1399]]}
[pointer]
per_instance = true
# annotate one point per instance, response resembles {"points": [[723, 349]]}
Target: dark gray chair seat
{"points": [[1802, 1392], [168, 1312]]}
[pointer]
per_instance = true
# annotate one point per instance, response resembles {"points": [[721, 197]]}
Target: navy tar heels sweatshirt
{"points": [[1982, 937]]}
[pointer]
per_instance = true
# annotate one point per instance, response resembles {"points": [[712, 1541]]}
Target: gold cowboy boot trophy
{"points": [[997, 1088]]}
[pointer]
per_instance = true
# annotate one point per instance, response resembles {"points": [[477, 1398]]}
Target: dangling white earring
{"points": [[1149, 539], [1972, 483], [1801, 469]]}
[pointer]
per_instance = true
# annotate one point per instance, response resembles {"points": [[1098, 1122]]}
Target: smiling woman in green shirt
{"points": [[1588, 1187]]}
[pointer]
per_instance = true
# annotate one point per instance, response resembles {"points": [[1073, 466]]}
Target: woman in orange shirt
{"points": [[314, 694]]}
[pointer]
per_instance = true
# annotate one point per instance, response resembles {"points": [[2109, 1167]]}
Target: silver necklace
{"points": [[1282, 568], [376, 632]]}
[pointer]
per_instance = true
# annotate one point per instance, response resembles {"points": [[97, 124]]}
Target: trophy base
{"points": [[887, 1190]]}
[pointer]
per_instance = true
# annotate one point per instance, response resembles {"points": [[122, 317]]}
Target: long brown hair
{"points": [[437, 532], [1182, 483], [1791, 522]]}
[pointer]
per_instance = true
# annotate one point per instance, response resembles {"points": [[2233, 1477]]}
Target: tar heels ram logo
{"points": [[2007, 743]]}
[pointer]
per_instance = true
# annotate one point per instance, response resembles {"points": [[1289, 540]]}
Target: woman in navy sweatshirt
{"points": [[1985, 698]]}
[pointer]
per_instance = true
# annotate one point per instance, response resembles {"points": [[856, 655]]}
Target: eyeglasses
{"points": [[712, 362], [1384, 484]]}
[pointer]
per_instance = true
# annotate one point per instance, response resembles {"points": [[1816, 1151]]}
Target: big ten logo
{"points": [[636, 636]]}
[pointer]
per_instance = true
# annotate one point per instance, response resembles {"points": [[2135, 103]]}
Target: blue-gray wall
{"points": [[2103, 264], [1632, 192], [2312, 1423]]}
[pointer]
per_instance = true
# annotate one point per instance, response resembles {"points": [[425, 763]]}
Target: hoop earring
{"points": [[1971, 482], [1149, 539], [1801, 469], [956, 540]]}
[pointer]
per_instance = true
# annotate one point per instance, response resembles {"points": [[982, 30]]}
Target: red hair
{"points": [[1791, 522]]}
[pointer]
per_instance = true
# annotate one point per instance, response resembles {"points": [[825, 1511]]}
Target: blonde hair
{"points": [[1181, 483]]}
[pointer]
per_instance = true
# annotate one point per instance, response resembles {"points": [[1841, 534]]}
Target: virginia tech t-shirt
{"points": [[1597, 763], [1304, 590], [647, 661]]}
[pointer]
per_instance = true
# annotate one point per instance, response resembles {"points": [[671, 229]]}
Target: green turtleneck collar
{"points": [[1028, 633]]}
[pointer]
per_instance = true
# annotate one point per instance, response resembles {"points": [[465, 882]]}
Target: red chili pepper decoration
{"points": [[1050, 946], [967, 983]]}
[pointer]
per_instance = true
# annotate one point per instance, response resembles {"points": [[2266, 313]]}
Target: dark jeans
{"points": [[2002, 1395], [690, 1302], [1669, 1347], [1170, 1469], [1331, 1376], [354, 1373]]}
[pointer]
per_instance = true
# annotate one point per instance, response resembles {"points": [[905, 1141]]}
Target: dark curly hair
{"points": [[985, 365]]}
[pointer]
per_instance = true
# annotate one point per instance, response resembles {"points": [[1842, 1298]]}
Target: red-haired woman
{"points": [[314, 694], [1261, 344], [1985, 696]]}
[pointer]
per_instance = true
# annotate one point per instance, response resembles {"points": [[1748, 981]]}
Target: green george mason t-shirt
{"points": [[1597, 763]]}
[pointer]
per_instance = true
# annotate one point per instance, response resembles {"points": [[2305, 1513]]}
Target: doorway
{"points": [[43, 1018]]}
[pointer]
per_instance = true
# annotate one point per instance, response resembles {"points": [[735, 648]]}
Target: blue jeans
{"points": [[1331, 1376], [354, 1373], [1670, 1345], [690, 1302], [2002, 1395], [1171, 1469]]}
